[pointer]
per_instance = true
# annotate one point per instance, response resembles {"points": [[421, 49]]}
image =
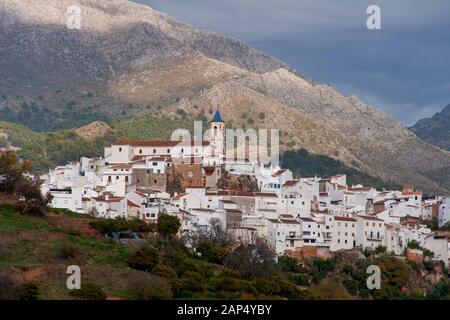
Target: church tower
{"points": [[217, 135]]}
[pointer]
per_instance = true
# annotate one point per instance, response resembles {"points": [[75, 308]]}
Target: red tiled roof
{"points": [[290, 183], [279, 172], [360, 189], [122, 166], [159, 143], [344, 219], [307, 219], [132, 204], [180, 195], [371, 218]]}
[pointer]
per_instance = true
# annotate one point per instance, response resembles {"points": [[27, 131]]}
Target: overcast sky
{"points": [[404, 68]]}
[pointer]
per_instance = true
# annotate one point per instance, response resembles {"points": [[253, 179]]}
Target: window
{"points": [[182, 150], [126, 178], [140, 151], [367, 224], [120, 149], [345, 241], [154, 164], [339, 224], [154, 150], [339, 240], [117, 177]]}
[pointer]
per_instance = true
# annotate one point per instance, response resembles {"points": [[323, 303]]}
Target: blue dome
{"points": [[217, 117]]}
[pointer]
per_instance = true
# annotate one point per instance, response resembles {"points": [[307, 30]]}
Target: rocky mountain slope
{"points": [[435, 130], [129, 60]]}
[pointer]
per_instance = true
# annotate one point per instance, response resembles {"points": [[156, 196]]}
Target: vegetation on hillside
{"points": [[215, 268], [304, 164]]}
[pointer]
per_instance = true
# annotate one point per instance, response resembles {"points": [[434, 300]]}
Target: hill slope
{"points": [[129, 60], [435, 130]]}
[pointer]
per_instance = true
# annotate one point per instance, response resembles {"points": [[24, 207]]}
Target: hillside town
{"points": [[298, 216]]}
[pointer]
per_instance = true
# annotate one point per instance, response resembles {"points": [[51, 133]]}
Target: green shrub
{"points": [[275, 286], [31, 291], [67, 251], [413, 244], [144, 259], [288, 264], [120, 224], [261, 116], [299, 279], [149, 287], [3, 249], [10, 289], [212, 252], [192, 282], [170, 275], [89, 291], [168, 226], [233, 285]]}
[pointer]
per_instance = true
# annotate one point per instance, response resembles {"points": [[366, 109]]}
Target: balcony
{"points": [[373, 238], [294, 236]]}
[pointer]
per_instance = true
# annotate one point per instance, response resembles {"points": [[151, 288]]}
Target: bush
{"points": [[233, 285], [67, 251], [275, 286], [3, 249], [299, 279], [380, 249], [192, 282], [149, 287], [120, 224], [10, 289], [144, 259], [413, 244], [288, 264], [168, 226], [253, 260], [212, 252], [89, 291], [30, 291], [170, 275], [261, 116]]}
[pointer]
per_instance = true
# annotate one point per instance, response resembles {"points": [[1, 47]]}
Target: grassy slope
{"points": [[32, 250]]}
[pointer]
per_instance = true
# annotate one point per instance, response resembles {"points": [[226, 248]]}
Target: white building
{"points": [[444, 212], [370, 232], [343, 233]]}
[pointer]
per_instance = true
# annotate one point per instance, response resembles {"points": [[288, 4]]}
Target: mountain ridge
{"points": [[436, 129]]}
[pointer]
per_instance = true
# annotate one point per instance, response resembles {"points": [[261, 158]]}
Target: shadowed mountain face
{"points": [[128, 60], [435, 130]]}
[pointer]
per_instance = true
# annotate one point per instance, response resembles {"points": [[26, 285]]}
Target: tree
{"points": [[213, 244], [89, 291], [30, 197], [144, 259], [253, 260], [149, 287], [11, 171], [168, 226]]}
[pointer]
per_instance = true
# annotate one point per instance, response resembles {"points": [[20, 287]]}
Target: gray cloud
{"points": [[402, 69]]}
